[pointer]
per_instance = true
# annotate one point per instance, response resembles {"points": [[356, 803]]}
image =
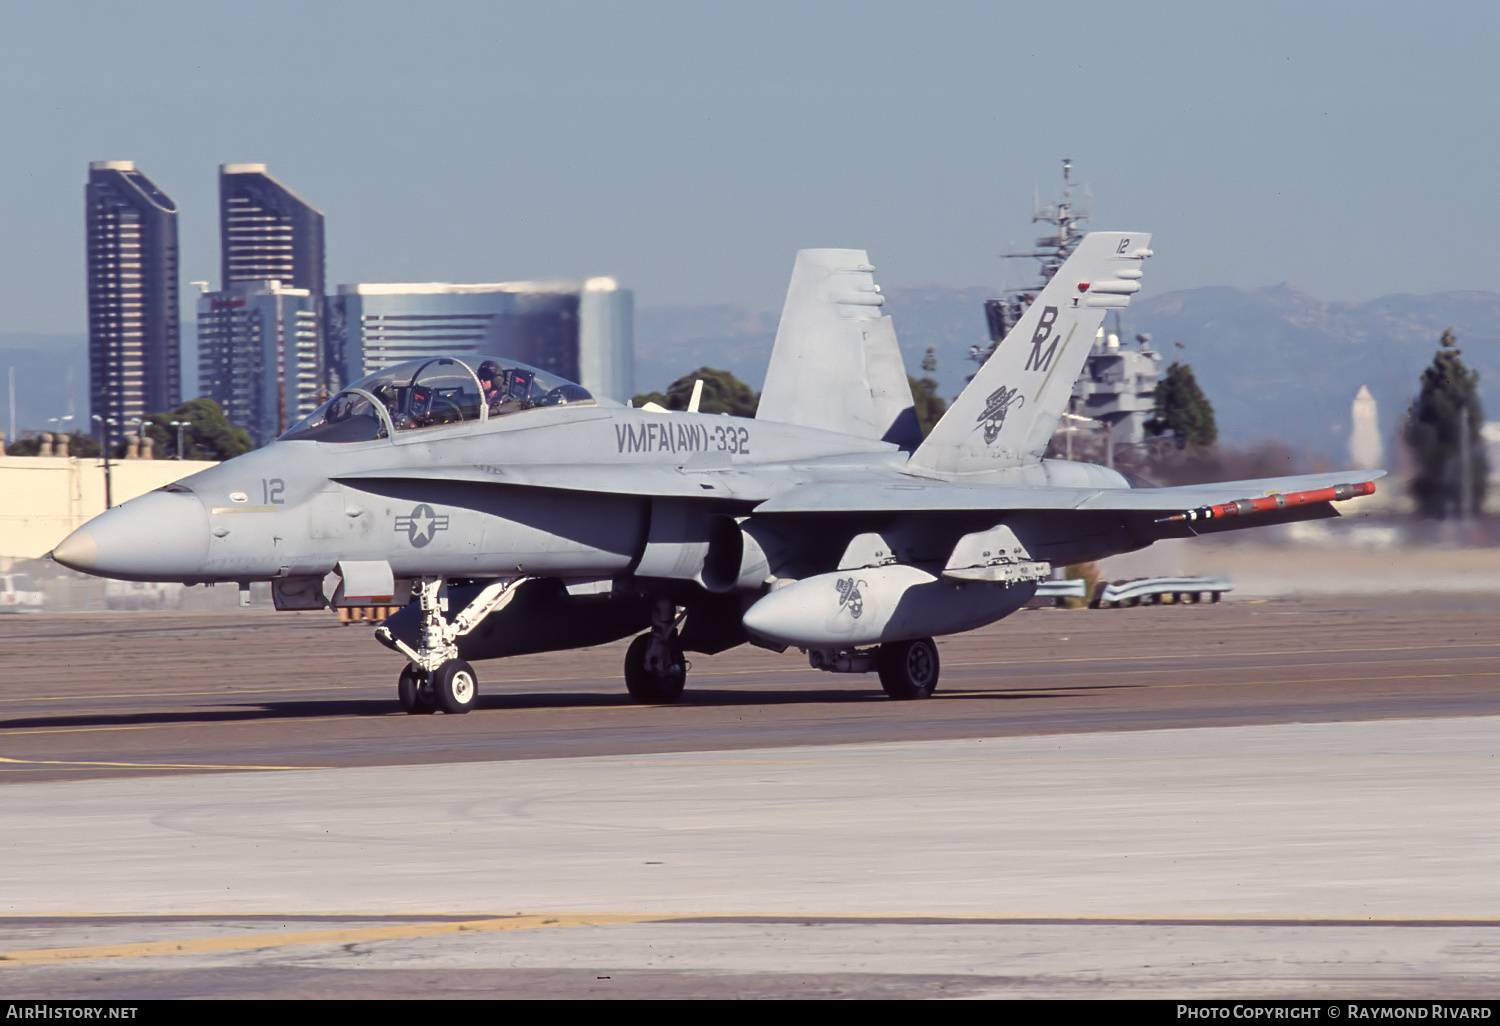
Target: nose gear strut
{"points": [[436, 678]]}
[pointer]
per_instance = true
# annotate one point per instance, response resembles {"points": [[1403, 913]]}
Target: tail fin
{"points": [[1008, 412], [835, 365]]}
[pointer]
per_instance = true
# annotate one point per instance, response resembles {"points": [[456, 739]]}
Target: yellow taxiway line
{"points": [[147, 765], [250, 942], [560, 920]]}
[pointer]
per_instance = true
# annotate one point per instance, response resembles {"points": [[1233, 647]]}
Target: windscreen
{"points": [[435, 392], [350, 416]]}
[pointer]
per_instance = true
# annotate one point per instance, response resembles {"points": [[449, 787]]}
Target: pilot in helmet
{"points": [[489, 372]]}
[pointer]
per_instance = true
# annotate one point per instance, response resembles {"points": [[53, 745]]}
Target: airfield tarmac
{"points": [[1257, 798]]}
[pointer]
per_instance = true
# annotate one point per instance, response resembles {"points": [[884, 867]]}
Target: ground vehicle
{"points": [[20, 593]]}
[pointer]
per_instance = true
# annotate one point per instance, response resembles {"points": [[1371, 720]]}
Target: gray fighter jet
{"points": [[514, 512]]}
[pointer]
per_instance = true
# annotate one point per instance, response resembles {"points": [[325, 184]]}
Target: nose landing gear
{"points": [[436, 678]]}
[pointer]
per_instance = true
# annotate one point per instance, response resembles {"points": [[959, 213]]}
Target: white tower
{"points": [[1365, 450]]}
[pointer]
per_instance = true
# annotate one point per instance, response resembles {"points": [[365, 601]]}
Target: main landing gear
{"points": [[436, 678], [907, 669], [655, 670]]}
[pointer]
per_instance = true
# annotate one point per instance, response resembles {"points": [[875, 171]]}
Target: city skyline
{"points": [[263, 349], [691, 150]]}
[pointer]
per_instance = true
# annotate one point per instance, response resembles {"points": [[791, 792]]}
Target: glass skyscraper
{"points": [[134, 330], [579, 330], [267, 232]]}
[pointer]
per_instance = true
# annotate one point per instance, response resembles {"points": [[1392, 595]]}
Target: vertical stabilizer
{"points": [[835, 365], [1007, 414]]}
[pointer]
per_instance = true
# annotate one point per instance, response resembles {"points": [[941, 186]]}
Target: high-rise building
{"points": [[579, 330], [134, 330], [267, 232], [258, 355]]}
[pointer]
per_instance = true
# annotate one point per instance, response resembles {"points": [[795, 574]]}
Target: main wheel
{"points": [[456, 686], [415, 699], [908, 669], [650, 688]]}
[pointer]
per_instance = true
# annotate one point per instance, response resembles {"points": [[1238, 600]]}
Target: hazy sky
{"points": [[690, 148]]}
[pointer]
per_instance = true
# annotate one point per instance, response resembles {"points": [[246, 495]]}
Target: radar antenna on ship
{"points": [[1051, 249]]}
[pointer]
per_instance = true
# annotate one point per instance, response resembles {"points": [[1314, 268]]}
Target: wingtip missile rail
{"points": [[1280, 500]]}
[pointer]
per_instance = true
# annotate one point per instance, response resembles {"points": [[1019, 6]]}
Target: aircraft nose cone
{"points": [[159, 536]]}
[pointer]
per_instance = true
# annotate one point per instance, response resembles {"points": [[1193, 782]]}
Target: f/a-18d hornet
{"points": [[512, 512]]}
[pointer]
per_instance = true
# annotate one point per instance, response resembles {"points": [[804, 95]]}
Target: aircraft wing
{"points": [[1185, 504]]}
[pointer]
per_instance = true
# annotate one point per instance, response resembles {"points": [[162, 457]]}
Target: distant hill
{"points": [[672, 340], [52, 379], [1276, 363]]}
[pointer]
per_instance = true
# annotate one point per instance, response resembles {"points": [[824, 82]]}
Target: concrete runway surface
{"points": [[1055, 828]]}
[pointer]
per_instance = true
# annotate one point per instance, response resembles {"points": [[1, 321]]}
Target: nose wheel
{"points": [[415, 694], [453, 687]]}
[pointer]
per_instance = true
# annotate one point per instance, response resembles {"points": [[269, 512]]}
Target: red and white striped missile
{"points": [[1240, 507]]}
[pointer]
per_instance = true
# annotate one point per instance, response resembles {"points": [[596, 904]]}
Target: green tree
{"points": [[1182, 409], [929, 406], [1443, 424], [208, 436], [722, 393]]}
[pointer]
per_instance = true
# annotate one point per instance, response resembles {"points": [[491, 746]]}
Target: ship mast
{"points": [[1052, 249]]}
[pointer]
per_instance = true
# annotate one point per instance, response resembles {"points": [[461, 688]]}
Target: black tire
{"points": [[415, 699], [908, 669], [455, 686], [649, 688]]}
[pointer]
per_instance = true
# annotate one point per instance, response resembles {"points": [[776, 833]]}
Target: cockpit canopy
{"points": [[433, 392]]}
